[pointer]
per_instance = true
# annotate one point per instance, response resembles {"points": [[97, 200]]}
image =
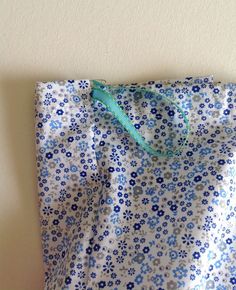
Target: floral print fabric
{"points": [[113, 216]]}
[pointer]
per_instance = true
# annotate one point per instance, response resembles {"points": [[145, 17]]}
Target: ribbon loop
{"points": [[100, 92]]}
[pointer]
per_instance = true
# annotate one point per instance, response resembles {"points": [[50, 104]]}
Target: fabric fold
{"points": [[112, 215]]}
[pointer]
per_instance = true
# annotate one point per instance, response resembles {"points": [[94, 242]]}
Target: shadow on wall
{"points": [[21, 265]]}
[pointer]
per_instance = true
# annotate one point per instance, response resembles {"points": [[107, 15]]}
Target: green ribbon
{"points": [[100, 94]]}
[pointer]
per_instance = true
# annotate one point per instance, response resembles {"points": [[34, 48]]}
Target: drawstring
{"points": [[99, 93]]}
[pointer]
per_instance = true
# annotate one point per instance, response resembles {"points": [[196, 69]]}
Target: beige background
{"points": [[116, 40]]}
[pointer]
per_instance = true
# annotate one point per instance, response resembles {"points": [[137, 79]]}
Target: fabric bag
{"points": [[136, 184]]}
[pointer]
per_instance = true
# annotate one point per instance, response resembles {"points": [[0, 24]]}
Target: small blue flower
{"points": [[83, 146], [122, 179], [44, 172], [76, 99], [55, 124], [73, 168], [196, 255], [138, 279], [173, 255], [151, 123], [118, 231], [145, 268], [180, 272], [83, 84], [196, 89], [49, 155], [157, 279], [50, 144], [171, 240], [60, 112]]}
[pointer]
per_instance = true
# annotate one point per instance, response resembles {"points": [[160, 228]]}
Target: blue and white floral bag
{"points": [[136, 184]]}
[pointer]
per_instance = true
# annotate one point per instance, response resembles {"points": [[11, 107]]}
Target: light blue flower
{"points": [[157, 172], [232, 171], [153, 103], [173, 255], [48, 199], [73, 168], [169, 142], [140, 170], [50, 144], [83, 146], [152, 221], [199, 168], [221, 246], [122, 179], [138, 279], [171, 186], [211, 255], [187, 104], [145, 268], [92, 261], [157, 279], [98, 155], [155, 199], [190, 225], [114, 218], [190, 195], [150, 191], [175, 165], [109, 200], [171, 240], [225, 257], [180, 272], [228, 130], [70, 220], [221, 287], [146, 162], [44, 172], [118, 231], [55, 124], [218, 105], [150, 123], [205, 151], [218, 264], [70, 88], [76, 99], [224, 120], [168, 92], [210, 284], [79, 247]]}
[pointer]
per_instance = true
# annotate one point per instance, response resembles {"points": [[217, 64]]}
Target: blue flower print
{"points": [[55, 124], [188, 239], [173, 255], [145, 268], [180, 272], [122, 179], [83, 84], [83, 146], [50, 144], [114, 216], [152, 221], [44, 172], [138, 279], [76, 99], [157, 280], [151, 123], [196, 89], [171, 240]]}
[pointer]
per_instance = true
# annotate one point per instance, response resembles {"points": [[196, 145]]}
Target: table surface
{"points": [[120, 41]]}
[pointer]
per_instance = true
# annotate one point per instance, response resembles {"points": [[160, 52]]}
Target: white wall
{"points": [[116, 40]]}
